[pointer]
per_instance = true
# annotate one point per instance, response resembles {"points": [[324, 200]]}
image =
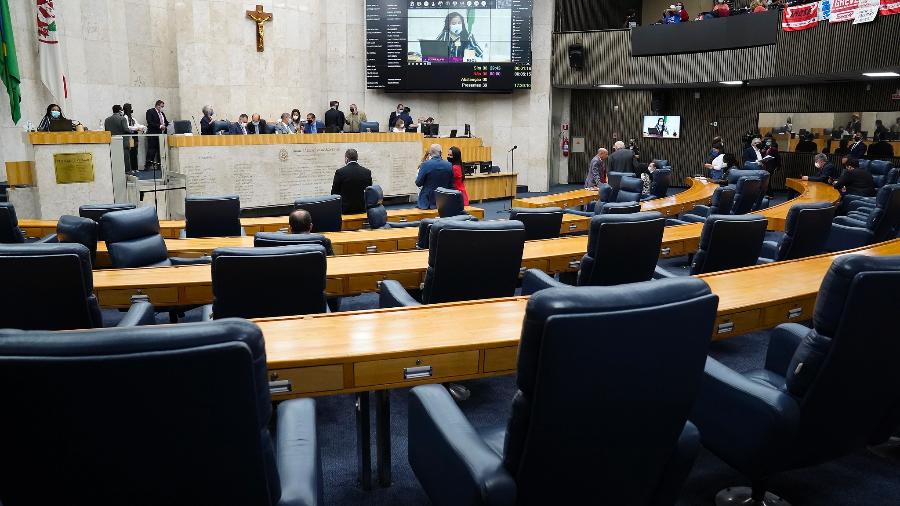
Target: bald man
{"points": [[623, 160], [434, 173], [596, 174]]}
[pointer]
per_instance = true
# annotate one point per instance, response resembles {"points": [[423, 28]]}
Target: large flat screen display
{"points": [[665, 127], [448, 45]]}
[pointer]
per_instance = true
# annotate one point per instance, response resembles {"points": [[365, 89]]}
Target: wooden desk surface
{"points": [[354, 274], [90, 137], [367, 350]]}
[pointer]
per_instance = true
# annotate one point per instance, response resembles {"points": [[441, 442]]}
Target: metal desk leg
{"points": [[383, 436], [363, 441]]}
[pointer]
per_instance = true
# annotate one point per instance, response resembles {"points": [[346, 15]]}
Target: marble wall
{"points": [[197, 52]]}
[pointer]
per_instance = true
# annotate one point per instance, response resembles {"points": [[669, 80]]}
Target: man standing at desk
{"points": [[334, 118], [156, 125], [355, 119], [434, 173], [350, 182], [117, 124], [597, 170]]}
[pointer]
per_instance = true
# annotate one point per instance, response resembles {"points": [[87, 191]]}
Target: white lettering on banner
{"points": [[842, 10]]}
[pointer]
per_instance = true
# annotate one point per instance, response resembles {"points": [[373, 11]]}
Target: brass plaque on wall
{"points": [[74, 167]]}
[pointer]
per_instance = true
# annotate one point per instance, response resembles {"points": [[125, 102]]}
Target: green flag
{"points": [[9, 65]]}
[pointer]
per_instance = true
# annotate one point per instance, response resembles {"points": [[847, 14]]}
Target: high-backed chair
{"points": [[466, 260], [10, 233], [824, 392], [133, 240], [377, 214], [619, 208], [51, 287], [602, 404], [368, 126], [77, 230], [735, 175], [449, 202], [96, 211], [721, 203], [275, 239], [881, 224], [866, 204], [660, 180], [727, 242], [746, 193], [325, 212], [265, 282], [630, 190], [622, 248], [212, 217], [805, 232], [879, 170], [540, 222], [425, 227], [662, 163], [174, 414]]}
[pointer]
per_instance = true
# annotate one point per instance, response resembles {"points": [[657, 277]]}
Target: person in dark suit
{"points": [[350, 182], [753, 153], [156, 124], [207, 125], [854, 125], [395, 115], [826, 173], [854, 181], [334, 118], [434, 173], [623, 160], [240, 127], [806, 145], [132, 143], [858, 148], [257, 125], [300, 222], [881, 150]]}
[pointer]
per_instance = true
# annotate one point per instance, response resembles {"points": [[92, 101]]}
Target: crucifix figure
{"points": [[260, 18]]}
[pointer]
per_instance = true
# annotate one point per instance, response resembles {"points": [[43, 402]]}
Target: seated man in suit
{"points": [[826, 171], [257, 125], [434, 173], [300, 222], [806, 145], [240, 127], [623, 160], [350, 182], [311, 126], [285, 126], [854, 181], [858, 148]]}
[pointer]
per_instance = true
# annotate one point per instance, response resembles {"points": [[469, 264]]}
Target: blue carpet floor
{"points": [[863, 478]]}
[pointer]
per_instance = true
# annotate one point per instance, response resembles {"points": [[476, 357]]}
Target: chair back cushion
{"points": [[603, 394], [806, 230], [96, 211], [619, 208], [212, 216], [473, 260], [622, 248], [630, 189], [893, 176], [137, 415], [425, 228], [133, 239], [729, 242], [263, 282], [325, 212], [540, 222], [74, 229], [272, 239], [734, 175], [884, 221], [48, 287], [746, 193], [660, 181], [375, 211], [449, 202], [10, 233]]}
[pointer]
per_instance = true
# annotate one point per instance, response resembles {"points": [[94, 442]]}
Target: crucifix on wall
{"points": [[260, 18]]}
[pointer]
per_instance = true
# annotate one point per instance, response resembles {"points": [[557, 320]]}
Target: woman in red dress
{"points": [[458, 176]]}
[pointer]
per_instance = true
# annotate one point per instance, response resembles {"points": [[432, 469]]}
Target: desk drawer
{"points": [[304, 380], [735, 324], [794, 311], [334, 286], [122, 298], [369, 283], [370, 247], [565, 264], [352, 225], [424, 367], [575, 226], [673, 249], [201, 294], [501, 359]]}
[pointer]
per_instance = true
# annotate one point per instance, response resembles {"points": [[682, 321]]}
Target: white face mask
{"points": [[456, 29]]}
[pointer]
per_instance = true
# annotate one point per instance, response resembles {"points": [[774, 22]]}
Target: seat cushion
{"points": [[767, 377]]}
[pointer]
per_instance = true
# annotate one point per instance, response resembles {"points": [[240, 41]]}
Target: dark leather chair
{"points": [[10, 233], [824, 392], [596, 413], [77, 230], [425, 227], [176, 414], [449, 202], [622, 248], [377, 214], [865, 205], [662, 163], [274, 239], [879, 170], [630, 190], [540, 222], [880, 224], [96, 211], [608, 208], [266, 282], [721, 203], [746, 193], [51, 287], [133, 240], [805, 232], [660, 180], [466, 260], [762, 201], [727, 242], [212, 217], [325, 212]]}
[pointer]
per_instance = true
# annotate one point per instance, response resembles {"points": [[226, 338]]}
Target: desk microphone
{"points": [[513, 149]]}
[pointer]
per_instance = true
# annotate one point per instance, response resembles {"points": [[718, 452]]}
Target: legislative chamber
{"points": [[500, 252]]}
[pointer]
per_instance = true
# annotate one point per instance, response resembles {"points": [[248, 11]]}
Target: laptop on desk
{"points": [[61, 125]]}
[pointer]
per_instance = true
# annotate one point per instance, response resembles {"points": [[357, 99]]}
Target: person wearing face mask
{"points": [[671, 16], [355, 118], [54, 112], [157, 123], [239, 127], [285, 126], [297, 121], [752, 153], [395, 115], [207, 123], [461, 44], [132, 146], [682, 12], [825, 171], [310, 127], [334, 118], [257, 125]]}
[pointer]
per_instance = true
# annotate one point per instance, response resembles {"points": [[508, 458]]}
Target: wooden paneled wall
{"points": [[593, 116], [585, 15]]}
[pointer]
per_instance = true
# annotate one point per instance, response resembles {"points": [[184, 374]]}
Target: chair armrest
{"points": [[141, 312], [297, 453], [392, 294], [673, 222], [769, 250], [243, 232], [847, 221], [451, 461], [764, 261], [190, 261], [700, 210], [678, 466], [853, 205], [693, 218], [663, 273], [748, 424], [783, 342], [861, 214], [847, 236], [206, 313], [579, 213], [535, 280], [47, 239], [403, 224]]}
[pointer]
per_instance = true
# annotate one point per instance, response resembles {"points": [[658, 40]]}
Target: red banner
{"points": [[800, 17], [843, 10], [889, 7]]}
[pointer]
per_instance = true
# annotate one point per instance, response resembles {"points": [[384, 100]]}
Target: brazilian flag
{"points": [[9, 65]]}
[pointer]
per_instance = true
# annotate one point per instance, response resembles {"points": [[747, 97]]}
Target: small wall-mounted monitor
{"points": [[662, 127]]}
